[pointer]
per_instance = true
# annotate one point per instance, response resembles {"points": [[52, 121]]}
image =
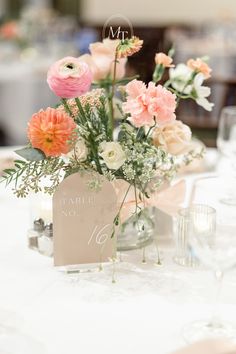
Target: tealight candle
{"points": [[199, 218], [201, 224]]}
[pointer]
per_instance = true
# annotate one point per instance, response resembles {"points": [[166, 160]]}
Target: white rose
{"points": [[175, 137], [112, 154], [80, 150]]}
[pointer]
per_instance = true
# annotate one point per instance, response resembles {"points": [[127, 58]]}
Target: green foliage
{"points": [[93, 127], [31, 154], [13, 174], [144, 161], [28, 176], [107, 82]]}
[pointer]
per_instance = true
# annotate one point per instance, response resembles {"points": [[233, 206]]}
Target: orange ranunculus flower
{"points": [[52, 131], [200, 66]]}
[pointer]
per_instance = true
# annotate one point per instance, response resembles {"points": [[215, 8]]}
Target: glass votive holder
{"points": [[45, 241], [40, 217], [198, 216]]}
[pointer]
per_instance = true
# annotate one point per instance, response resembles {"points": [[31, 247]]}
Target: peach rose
{"points": [[174, 137], [163, 59], [101, 59], [199, 66]]}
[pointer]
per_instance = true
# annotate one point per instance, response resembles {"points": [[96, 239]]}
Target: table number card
{"points": [[83, 220]]}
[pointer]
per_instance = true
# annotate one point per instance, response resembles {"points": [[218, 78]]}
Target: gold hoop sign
{"points": [[83, 220], [117, 27]]}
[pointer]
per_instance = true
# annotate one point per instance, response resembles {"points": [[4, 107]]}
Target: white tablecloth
{"points": [[143, 312]]}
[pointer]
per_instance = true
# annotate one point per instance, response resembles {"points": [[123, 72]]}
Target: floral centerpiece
{"points": [[145, 147]]}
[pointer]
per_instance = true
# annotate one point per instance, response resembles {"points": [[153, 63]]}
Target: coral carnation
{"points": [[200, 66], [128, 47], [146, 103], [163, 59], [69, 77], [52, 132]]}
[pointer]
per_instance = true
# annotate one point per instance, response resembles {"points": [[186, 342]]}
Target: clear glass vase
{"points": [[137, 231]]}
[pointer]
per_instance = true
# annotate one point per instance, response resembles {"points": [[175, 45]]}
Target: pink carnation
{"points": [[146, 103], [69, 77]]}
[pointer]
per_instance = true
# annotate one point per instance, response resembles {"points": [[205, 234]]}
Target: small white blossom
{"points": [[112, 154], [179, 77], [202, 92]]}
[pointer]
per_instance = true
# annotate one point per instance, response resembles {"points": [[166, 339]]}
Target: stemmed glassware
{"points": [[226, 143], [216, 249]]}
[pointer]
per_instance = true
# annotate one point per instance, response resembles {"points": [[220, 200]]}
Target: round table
{"points": [[143, 312]]}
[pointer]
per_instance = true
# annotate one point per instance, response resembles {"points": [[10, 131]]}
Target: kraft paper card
{"points": [[83, 220]]}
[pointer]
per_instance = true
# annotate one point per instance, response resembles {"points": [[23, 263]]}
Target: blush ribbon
{"points": [[168, 198]]}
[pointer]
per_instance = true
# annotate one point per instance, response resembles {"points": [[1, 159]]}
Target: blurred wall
{"points": [[156, 12], [2, 7]]}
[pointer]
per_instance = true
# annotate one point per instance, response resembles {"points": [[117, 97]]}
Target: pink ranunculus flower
{"points": [[69, 77], [101, 59], [144, 104]]}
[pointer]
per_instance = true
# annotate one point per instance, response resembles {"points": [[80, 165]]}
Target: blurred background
{"points": [[35, 33]]}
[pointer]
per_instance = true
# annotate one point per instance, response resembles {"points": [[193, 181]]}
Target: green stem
{"points": [[67, 108], [81, 110], [150, 129], [136, 199], [93, 145], [127, 79], [189, 82], [122, 203], [167, 83], [158, 73], [110, 106], [112, 118], [96, 158]]}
